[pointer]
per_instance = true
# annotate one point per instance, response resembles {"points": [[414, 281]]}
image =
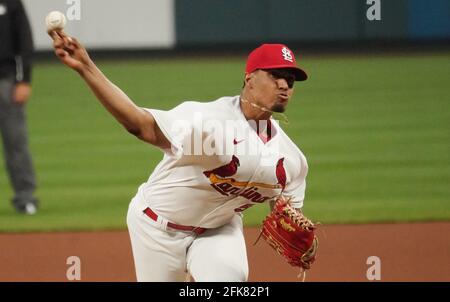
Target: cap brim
{"points": [[300, 74]]}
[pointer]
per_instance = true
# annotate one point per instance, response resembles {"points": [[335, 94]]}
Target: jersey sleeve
{"points": [[177, 125], [23, 43], [297, 187]]}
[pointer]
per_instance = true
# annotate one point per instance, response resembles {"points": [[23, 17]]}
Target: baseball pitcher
{"points": [[220, 158]]}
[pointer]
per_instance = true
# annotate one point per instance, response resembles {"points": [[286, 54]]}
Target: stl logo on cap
{"points": [[287, 55], [271, 56]]}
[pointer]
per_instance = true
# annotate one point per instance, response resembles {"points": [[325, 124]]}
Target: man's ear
{"points": [[247, 79]]}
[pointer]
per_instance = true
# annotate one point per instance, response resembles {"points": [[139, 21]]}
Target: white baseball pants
{"points": [[164, 254]]}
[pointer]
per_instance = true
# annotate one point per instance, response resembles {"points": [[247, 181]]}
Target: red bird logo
{"points": [[225, 170], [281, 174]]}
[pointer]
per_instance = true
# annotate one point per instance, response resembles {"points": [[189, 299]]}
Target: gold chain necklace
{"points": [[283, 117]]}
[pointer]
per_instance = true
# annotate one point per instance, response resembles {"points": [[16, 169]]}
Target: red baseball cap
{"points": [[271, 56]]}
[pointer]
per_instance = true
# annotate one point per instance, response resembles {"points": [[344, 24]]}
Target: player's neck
{"points": [[253, 111]]}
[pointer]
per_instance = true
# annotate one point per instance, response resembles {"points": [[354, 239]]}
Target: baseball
{"points": [[55, 20]]}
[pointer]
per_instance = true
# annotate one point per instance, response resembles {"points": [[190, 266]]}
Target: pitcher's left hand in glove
{"points": [[291, 234]]}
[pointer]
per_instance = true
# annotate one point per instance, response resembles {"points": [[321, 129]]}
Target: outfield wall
{"points": [[167, 24], [106, 24], [231, 21]]}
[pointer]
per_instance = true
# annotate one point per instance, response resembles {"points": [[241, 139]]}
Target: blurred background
{"points": [[373, 119]]}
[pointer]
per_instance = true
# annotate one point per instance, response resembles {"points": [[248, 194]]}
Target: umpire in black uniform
{"points": [[16, 48]]}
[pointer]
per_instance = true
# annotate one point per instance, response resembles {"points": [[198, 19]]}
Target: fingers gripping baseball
{"points": [[69, 50]]}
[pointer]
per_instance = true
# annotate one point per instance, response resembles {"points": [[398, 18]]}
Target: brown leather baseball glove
{"points": [[291, 234]]}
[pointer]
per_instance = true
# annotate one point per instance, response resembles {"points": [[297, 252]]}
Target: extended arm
{"points": [[137, 121]]}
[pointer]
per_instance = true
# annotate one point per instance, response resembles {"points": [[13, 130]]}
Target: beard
{"points": [[278, 108]]}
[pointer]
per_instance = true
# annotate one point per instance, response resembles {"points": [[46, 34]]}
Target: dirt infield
{"points": [[408, 252]]}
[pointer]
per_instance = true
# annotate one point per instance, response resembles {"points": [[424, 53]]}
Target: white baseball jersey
{"points": [[218, 165]]}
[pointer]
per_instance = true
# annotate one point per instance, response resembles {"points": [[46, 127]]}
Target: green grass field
{"points": [[376, 132]]}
